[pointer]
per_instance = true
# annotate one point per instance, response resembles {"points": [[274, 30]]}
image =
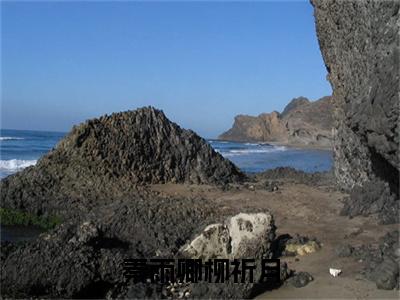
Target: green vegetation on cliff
{"points": [[15, 217]]}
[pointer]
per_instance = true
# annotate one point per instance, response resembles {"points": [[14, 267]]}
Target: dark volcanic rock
{"points": [[104, 158], [359, 41], [300, 279], [93, 180], [386, 275], [55, 265], [84, 258], [302, 122], [374, 197], [381, 261], [287, 174]]}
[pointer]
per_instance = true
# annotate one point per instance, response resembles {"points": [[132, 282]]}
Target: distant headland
{"points": [[301, 123]]}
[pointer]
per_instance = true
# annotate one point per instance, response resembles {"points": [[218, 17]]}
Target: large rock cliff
{"points": [[302, 122], [359, 41], [264, 127], [108, 156]]}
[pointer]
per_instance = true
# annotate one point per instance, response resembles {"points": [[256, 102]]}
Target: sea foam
{"points": [[237, 152], [10, 138], [15, 164]]}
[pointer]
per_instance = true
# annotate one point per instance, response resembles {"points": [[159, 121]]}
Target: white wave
{"points": [[10, 138], [252, 144], [237, 152], [263, 150], [15, 164]]}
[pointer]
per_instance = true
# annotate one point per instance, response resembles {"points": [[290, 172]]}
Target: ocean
{"points": [[22, 148], [258, 157]]}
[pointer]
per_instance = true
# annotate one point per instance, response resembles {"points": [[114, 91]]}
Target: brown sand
{"points": [[309, 211]]}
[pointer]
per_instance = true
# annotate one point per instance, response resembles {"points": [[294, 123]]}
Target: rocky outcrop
{"points": [[243, 235], [381, 260], [311, 123], [295, 103], [359, 41], [246, 235], [287, 174], [105, 158], [300, 279], [95, 182], [83, 257], [302, 122], [261, 128], [372, 198]]}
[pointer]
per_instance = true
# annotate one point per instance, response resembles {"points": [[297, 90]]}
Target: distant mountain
{"points": [[302, 122]]}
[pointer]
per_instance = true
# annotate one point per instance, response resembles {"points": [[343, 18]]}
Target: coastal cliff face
{"points": [[359, 41], [302, 122], [264, 127], [309, 123]]}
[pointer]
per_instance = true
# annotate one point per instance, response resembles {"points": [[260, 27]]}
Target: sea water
{"points": [[22, 148], [258, 157]]}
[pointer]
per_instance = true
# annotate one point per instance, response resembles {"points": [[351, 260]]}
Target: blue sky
{"points": [[201, 62]]}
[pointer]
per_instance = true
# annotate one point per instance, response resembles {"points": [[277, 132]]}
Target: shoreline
{"points": [[274, 143]]}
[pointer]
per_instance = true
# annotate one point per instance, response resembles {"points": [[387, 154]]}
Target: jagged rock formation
{"points": [[93, 180], [359, 41], [302, 122], [83, 257], [108, 156]]}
